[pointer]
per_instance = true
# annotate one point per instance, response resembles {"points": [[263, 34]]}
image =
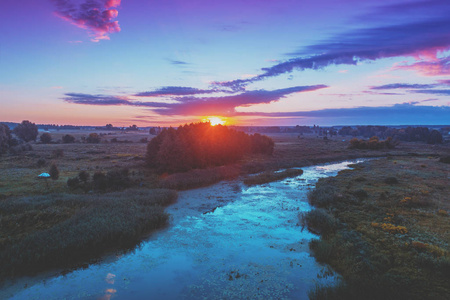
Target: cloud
{"points": [[175, 91], [79, 98], [402, 86], [96, 16], [436, 67], [194, 106], [405, 113], [422, 39], [178, 62], [434, 92]]}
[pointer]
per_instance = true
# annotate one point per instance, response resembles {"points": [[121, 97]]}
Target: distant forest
{"points": [[409, 134], [201, 145]]}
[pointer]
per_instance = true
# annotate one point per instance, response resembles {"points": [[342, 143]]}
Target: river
{"points": [[225, 241]]}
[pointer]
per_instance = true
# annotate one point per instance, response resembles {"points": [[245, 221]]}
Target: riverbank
{"points": [[385, 227], [58, 231]]}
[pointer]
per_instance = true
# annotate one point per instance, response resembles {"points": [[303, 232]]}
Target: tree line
{"points": [[201, 145], [409, 134]]}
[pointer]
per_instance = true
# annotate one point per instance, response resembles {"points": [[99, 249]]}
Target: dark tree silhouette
{"points": [[54, 172], [46, 138], [435, 137], [5, 138], [201, 145], [67, 139], [93, 138], [26, 131]]}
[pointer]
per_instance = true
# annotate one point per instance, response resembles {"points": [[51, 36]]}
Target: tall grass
{"points": [[86, 226]]}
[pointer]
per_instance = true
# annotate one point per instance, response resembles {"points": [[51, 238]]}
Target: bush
{"points": [[26, 131], [319, 221], [323, 195], [435, 137], [73, 183], [46, 138], [41, 163], [54, 172], [391, 180], [373, 143], [57, 153], [83, 176], [99, 181], [68, 139], [93, 138]]}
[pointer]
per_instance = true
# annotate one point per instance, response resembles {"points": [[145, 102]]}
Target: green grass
{"points": [[60, 230]]}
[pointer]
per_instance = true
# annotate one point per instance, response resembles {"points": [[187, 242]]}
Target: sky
{"points": [[249, 62]]}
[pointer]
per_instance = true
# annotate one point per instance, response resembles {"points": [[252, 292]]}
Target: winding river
{"points": [[225, 241]]}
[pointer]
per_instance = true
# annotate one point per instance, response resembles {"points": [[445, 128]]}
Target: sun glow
{"points": [[214, 121]]}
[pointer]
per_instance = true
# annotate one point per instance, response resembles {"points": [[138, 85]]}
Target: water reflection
{"points": [[225, 241]]}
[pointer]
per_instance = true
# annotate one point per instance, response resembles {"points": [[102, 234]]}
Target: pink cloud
{"points": [[112, 3], [435, 67], [94, 16]]}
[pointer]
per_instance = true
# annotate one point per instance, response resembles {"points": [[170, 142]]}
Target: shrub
{"points": [[46, 138], [391, 180], [99, 181], [445, 159], [83, 176], [73, 183], [435, 137], [26, 131], [323, 195], [68, 139], [57, 153], [373, 143], [54, 172], [41, 163], [93, 138], [319, 221]]}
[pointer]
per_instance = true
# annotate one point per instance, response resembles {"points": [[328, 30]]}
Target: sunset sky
{"points": [[250, 62]]}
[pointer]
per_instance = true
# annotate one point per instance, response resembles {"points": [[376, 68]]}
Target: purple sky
{"points": [[283, 62]]}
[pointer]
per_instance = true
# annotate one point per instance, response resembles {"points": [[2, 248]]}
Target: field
{"points": [[385, 226], [33, 209]]}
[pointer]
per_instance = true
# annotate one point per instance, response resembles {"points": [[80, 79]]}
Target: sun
{"points": [[214, 120]]}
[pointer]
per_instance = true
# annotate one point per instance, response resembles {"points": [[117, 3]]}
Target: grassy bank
{"points": [[270, 176], [384, 226], [61, 230]]}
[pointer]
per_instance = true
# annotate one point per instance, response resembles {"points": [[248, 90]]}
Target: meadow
{"points": [[79, 223], [385, 227]]}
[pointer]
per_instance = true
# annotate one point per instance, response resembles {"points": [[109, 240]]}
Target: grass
{"points": [[270, 176], [391, 239], [32, 212], [59, 230]]}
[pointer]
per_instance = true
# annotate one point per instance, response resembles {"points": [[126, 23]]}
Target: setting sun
{"points": [[214, 121]]}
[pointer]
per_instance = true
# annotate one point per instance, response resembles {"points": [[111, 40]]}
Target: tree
{"points": [[93, 138], [54, 172], [435, 137], [67, 139], [5, 138], [46, 138], [26, 131]]}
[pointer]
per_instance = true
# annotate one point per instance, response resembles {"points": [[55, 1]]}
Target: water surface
{"points": [[225, 241]]}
